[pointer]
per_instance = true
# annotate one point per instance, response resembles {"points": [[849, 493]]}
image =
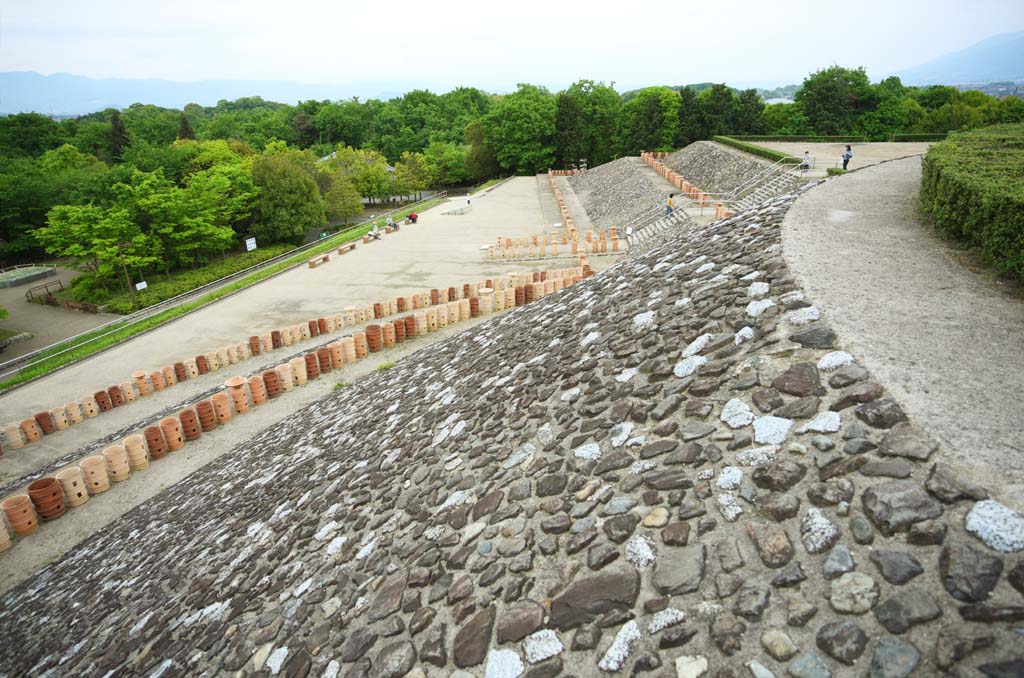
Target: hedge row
{"points": [[809, 138], [767, 153], [919, 137], [972, 187]]}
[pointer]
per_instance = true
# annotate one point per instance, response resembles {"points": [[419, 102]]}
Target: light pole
{"points": [[121, 247]]}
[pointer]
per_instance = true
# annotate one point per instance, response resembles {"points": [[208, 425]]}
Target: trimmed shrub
{"points": [[972, 187], [809, 138], [767, 153], [919, 137]]}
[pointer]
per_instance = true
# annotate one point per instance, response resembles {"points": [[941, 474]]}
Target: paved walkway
{"points": [[945, 342], [830, 155]]}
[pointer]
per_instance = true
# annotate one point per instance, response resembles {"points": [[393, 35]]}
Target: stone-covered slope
{"points": [[642, 472], [715, 168], [616, 193]]}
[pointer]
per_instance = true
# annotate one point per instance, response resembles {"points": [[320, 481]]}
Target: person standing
{"points": [[670, 204], [847, 154], [807, 161]]}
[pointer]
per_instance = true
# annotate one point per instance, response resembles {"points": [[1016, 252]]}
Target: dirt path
{"points": [[945, 342]]}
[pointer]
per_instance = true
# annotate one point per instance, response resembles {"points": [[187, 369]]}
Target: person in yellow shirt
{"points": [[670, 204]]}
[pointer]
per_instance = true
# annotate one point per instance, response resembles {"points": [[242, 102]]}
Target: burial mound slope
{"points": [[716, 168], [665, 466], [616, 193]]}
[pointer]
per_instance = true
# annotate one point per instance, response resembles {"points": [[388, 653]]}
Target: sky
{"points": [[491, 45]]}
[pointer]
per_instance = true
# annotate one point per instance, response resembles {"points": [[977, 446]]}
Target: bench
{"points": [[319, 259], [346, 247], [390, 229]]}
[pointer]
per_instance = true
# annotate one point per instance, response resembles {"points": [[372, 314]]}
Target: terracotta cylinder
{"points": [[528, 293], [117, 463], [12, 437], [374, 338], [442, 315], [362, 350], [298, 366], [435, 297], [323, 358], [350, 316], [549, 287], [243, 350], [74, 411], [5, 537], [267, 342], [221, 407], [388, 334], [128, 391], [192, 368], [44, 422], [254, 345], [222, 358], [474, 307], [232, 354], [239, 396], [304, 333], [337, 354], [169, 378], [138, 456], [202, 364], [207, 415], [314, 329], [276, 340], [367, 313], [47, 497], [156, 377], [465, 309], [410, 326], [421, 323], [60, 418], [286, 336], [399, 329], [348, 349], [556, 284], [538, 290], [378, 310], [321, 325], [453, 312], [20, 514], [417, 302], [499, 300], [285, 380], [271, 384], [90, 408], [567, 281], [171, 428], [94, 468], [116, 396], [329, 322], [72, 481], [312, 366], [401, 304], [520, 295], [467, 291], [431, 314], [453, 294], [180, 373], [141, 382], [103, 400], [155, 442], [486, 301], [339, 321], [190, 429]]}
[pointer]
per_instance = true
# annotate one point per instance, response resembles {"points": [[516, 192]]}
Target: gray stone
{"points": [[779, 476], [861, 529], [927, 533], [778, 644], [905, 609], [586, 599], [816, 335], [799, 611], [844, 641], [839, 561], [395, 660], [817, 532], [854, 593], [887, 468], [389, 598], [679, 571], [473, 639], [586, 637], [772, 543], [893, 658], [791, 575], [727, 634], [832, 492], [896, 567], [896, 505], [801, 379], [777, 506], [909, 441], [519, 621], [808, 665], [858, 393], [958, 640], [884, 413], [751, 602], [969, 574], [357, 644]]}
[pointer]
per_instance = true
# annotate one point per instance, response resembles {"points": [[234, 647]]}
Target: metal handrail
{"points": [[768, 172], [142, 314]]}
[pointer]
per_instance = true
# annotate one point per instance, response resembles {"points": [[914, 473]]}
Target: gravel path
{"points": [[946, 343]]}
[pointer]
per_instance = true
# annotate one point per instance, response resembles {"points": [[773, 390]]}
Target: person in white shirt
{"points": [[807, 161]]}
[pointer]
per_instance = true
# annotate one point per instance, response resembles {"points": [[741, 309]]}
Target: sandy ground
{"points": [[829, 155], [944, 342], [437, 251]]}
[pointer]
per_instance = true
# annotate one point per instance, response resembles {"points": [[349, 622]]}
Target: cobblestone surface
{"points": [[715, 168], [616, 193]]}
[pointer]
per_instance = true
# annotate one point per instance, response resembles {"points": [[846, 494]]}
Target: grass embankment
{"points": [[99, 340], [972, 189]]}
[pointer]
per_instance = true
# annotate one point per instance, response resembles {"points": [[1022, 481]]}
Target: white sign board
{"points": [[141, 285], [250, 244]]}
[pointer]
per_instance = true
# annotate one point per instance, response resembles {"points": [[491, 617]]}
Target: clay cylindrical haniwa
{"points": [[128, 391], [232, 354], [254, 345], [286, 336], [222, 407], [374, 338], [321, 325], [329, 320], [72, 481], [467, 291], [304, 334], [59, 417], [103, 400], [528, 290], [453, 312], [12, 437], [410, 326], [567, 281], [421, 323], [48, 498], [141, 378], [299, 333], [242, 348], [74, 411], [192, 368], [220, 358], [190, 429], [538, 290], [116, 396], [486, 301], [286, 381], [312, 366], [117, 462], [95, 470], [520, 295], [362, 350], [556, 284], [180, 373], [453, 294], [378, 310], [465, 309], [156, 377], [314, 329], [399, 329], [238, 394], [348, 349], [169, 378], [431, 319], [45, 422], [155, 442], [171, 428], [435, 297], [5, 537], [388, 334], [499, 300], [536, 274], [298, 366], [350, 316], [20, 514], [337, 354], [549, 287], [271, 383], [474, 307], [90, 408], [267, 342], [417, 301], [401, 304], [138, 456], [323, 356], [339, 321], [203, 364], [275, 339], [442, 315]]}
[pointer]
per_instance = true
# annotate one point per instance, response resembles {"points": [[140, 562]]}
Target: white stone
{"points": [[666, 618], [333, 667], [759, 306], [745, 334], [771, 430], [688, 366], [752, 276], [571, 394], [589, 451], [682, 303], [817, 531], [697, 345], [644, 321], [276, 660], [504, 664], [620, 433], [730, 478], [728, 505], [617, 654], [590, 339], [757, 456], [542, 645], [640, 467], [627, 374], [757, 290], [640, 551], [790, 297], [736, 414], [705, 268], [456, 498], [823, 422], [834, 360], [802, 316], [757, 670], [334, 548], [996, 525], [689, 666]]}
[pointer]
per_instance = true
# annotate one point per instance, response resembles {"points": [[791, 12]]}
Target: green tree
{"points": [[480, 160], [289, 201], [412, 173], [833, 99], [600, 107], [748, 113], [446, 163], [650, 121], [342, 200], [568, 131], [520, 129], [185, 130], [28, 134], [691, 123], [118, 136], [786, 119], [718, 110]]}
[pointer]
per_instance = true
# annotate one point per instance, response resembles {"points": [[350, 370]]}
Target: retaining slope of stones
{"points": [[665, 468], [715, 168], [616, 193]]}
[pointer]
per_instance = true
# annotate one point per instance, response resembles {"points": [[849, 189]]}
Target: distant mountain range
{"points": [[999, 58]]}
